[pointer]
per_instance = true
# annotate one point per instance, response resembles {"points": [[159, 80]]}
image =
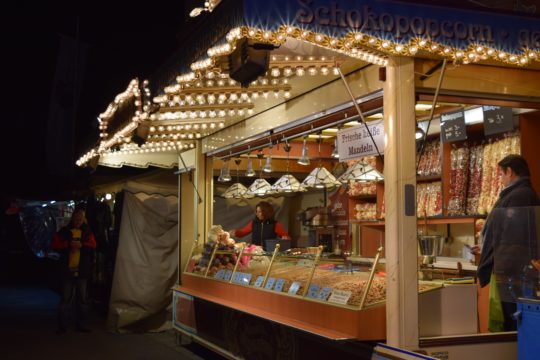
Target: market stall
{"points": [[317, 105]]}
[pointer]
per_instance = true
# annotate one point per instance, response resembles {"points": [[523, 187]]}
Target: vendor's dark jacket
{"points": [[262, 230], [62, 243], [518, 194]]}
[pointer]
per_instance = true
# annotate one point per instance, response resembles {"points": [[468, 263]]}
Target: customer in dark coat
{"points": [[76, 244], [517, 192]]}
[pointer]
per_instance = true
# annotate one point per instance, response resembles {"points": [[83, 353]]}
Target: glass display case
{"points": [[308, 273]]}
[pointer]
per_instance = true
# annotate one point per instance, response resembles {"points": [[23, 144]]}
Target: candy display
{"points": [[366, 211], [430, 161], [459, 175], [429, 199], [225, 243], [475, 179], [326, 276], [491, 185], [357, 188]]}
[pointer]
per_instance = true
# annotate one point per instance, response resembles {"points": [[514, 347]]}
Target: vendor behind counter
{"points": [[263, 226]]}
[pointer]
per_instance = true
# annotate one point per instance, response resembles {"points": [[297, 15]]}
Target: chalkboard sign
{"points": [[497, 119], [453, 127]]}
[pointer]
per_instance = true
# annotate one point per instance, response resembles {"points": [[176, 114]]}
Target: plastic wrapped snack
{"points": [[475, 179], [459, 173]]}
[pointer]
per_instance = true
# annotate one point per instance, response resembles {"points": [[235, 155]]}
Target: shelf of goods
{"points": [[456, 183], [303, 288]]}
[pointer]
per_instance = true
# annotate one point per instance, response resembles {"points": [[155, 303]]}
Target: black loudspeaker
{"points": [[93, 164], [141, 133], [248, 61]]}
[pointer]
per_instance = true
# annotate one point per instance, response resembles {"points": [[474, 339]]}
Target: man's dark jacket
{"points": [[518, 194]]}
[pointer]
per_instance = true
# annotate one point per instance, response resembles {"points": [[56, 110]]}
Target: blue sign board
{"points": [[399, 21], [279, 285], [259, 281], [270, 283], [313, 290]]}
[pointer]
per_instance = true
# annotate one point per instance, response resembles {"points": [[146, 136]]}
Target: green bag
{"points": [[495, 311]]}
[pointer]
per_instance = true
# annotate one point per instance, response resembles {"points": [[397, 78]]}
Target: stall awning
{"points": [[166, 160], [306, 41]]}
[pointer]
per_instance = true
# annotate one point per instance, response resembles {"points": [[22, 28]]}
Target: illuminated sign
{"points": [[399, 22]]}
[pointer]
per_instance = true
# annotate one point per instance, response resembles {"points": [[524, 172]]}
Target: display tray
{"points": [[332, 322], [318, 277]]}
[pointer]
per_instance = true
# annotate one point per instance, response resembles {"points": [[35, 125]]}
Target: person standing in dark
{"points": [[517, 192], [76, 245], [263, 226]]}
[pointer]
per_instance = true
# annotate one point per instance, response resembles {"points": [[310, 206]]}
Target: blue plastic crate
{"points": [[528, 325]]}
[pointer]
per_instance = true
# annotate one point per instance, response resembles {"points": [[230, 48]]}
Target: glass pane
{"points": [[511, 234]]}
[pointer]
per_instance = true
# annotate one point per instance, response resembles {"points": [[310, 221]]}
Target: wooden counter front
{"points": [[333, 322]]}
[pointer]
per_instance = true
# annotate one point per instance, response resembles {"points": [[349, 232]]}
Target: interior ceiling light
{"points": [[287, 183], [360, 172], [267, 168], [304, 159], [419, 133], [249, 169], [423, 107], [225, 174], [260, 187], [319, 177], [335, 153], [237, 190]]}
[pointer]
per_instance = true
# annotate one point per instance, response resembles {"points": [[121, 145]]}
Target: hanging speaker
{"points": [[141, 133], [249, 61], [93, 164]]}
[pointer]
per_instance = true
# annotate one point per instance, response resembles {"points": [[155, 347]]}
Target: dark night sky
{"points": [[119, 48]]}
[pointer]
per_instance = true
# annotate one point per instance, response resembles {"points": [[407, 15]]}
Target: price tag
{"points": [[270, 283], [340, 297], [497, 119], [220, 274], [246, 279], [279, 285], [305, 262], [453, 127], [293, 289], [237, 277], [324, 294], [228, 275], [259, 281], [313, 291]]}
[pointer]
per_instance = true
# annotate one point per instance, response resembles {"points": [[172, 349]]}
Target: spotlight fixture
{"points": [[249, 169], [335, 153], [419, 133], [225, 174], [267, 168], [304, 159]]}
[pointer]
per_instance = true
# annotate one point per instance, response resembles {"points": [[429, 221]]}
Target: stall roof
{"points": [[310, 43]]}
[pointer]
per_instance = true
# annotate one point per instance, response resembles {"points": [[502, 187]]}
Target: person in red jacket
{"points": [[76, 244], [263, 226]]}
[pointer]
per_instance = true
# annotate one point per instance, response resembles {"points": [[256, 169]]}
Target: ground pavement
{"points": [[28, 331]]}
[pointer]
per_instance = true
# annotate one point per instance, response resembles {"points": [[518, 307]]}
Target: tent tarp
{"points": [[146, 261]]}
